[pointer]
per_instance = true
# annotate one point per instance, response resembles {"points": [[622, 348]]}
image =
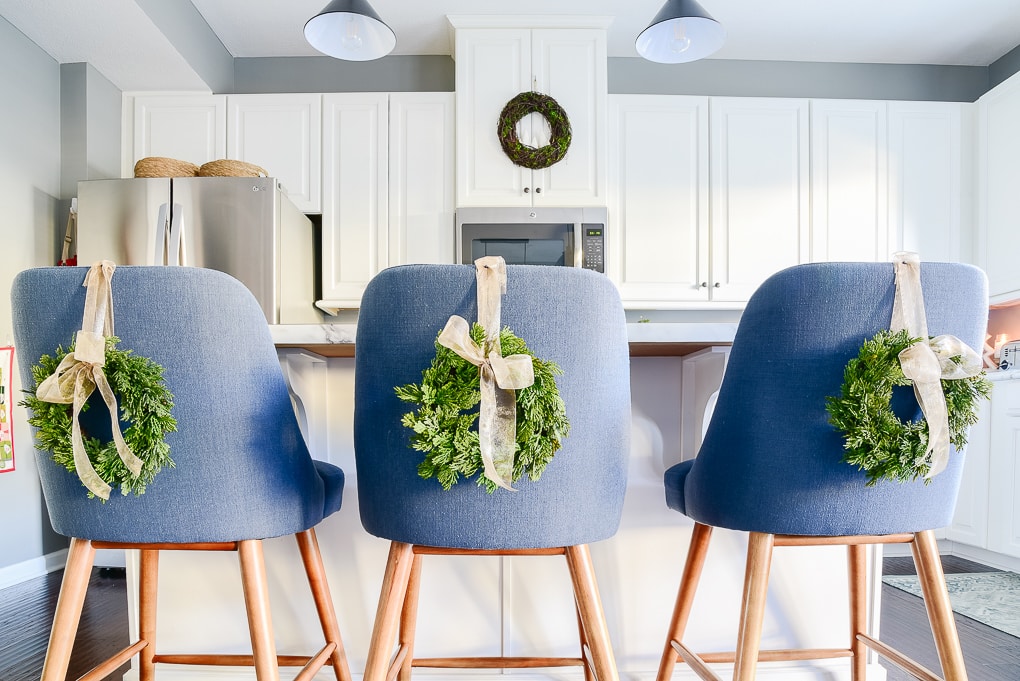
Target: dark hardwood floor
{"points": [[26, 611]]}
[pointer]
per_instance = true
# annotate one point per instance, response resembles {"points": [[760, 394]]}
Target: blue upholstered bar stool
{"points": [[242, 471], [570, 316], [770, 463]]}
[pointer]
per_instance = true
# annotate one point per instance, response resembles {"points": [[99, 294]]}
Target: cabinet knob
{"points": [[538, 190], [717, 284], [704, 284], [527, 190]]}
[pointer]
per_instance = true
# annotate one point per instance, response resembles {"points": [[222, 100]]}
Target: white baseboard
{"points": [[30, 569], [822, 670]]}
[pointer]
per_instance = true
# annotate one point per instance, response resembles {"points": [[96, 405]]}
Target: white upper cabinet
{"points": [[496, 64], [759, 187], [190, 128], [998, 193], [848, 181], [659, 198], [421, 172], [283, 135], [355, 201], [278, 132]]}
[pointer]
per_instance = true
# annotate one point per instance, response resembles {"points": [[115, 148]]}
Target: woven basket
{"points": [[160, 166], [229, 168]]}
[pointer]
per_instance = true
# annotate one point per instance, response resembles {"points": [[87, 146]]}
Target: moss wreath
{"points": [[445, 415], [877, 441], [145, 402], [522, 154]]}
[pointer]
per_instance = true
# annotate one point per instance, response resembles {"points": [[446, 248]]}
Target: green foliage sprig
{"points": [[877, 441], [444, 422], [144, 401], [559, 126]]}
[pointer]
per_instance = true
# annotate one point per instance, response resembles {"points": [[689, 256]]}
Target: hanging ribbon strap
{"points": [[928, 361], [498, 376], [81, 372]]}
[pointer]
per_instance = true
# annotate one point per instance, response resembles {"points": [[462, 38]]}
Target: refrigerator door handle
{"points": [[176, 236], [159, 255]]}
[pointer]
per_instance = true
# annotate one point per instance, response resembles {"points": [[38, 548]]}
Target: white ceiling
{"points": [[123, 43]]}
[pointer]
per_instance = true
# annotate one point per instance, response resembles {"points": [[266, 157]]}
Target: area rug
{"points": [[992, 598]]}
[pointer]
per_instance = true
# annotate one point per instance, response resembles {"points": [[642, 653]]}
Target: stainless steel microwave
{"points": [[566, 237]]}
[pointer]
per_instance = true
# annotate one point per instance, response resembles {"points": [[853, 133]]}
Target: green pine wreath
{"points": [[876, 440], [444, 421], [559, 125], [144, 401]]}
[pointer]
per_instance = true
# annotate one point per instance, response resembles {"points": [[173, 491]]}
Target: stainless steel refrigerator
{"points": [[244, 226]]}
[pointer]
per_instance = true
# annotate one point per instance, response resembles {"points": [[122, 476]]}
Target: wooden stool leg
{"points": [[589, 605], [409, 619], [857, 573], [585, 647], [936, 602], [308, 545], [756, 584], [700, 539], [148, 580], [256, 600], [387, 616], [75, 583]]}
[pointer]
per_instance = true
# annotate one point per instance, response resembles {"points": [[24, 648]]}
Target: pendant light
{"points": [[351, 30], [682, 31]]}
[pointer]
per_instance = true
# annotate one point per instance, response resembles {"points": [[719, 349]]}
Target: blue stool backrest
{"points": [[570, 316], [770, 461], [242, 468]]}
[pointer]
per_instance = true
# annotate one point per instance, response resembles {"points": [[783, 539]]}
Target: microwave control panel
{"points": [[593, 248]]}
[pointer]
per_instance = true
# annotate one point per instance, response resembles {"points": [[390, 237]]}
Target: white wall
{"points": [[29, 190]]}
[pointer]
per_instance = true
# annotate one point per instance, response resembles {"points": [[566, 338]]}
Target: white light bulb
{"points": [[680, 41], [352, 34]]}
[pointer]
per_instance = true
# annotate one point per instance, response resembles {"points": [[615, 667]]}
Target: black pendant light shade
{"points": [[682, 31], [351, 30]]}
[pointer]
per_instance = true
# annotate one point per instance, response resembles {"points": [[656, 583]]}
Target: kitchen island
{"points": [[517, 605]]}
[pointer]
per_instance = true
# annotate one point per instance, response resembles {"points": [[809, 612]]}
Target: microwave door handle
{"points": [[159, 252], [176, 235], [578, 245]]}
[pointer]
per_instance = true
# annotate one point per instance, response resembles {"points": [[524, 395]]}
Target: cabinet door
{"points": [[970, 520], [190, 128], [354, 210], [493, 66], [848, 181], [998, 180], [1004, 470], [925, 186], [421, 178], [282, 134], [658, 232], [570, 66], [759, 151]]}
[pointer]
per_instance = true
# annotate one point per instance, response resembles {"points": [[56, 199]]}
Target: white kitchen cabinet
{"points": [[278, 132], [998, 180], [493, 65], [658, 237], [282, 134], [848, 181], [421, 178], [970, 519], [1004, 469], [759, 191], [190, 128], [927, 202], [387, 187], [355, 204]]}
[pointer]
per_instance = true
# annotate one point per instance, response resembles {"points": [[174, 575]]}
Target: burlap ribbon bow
{"points": [[498, 376], [928, 361], [81, 372]]}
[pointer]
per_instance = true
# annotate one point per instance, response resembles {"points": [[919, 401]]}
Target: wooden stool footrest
{"points": [[216, 660], [316, 663], [899, 659], [104, 669], [496, 662]]}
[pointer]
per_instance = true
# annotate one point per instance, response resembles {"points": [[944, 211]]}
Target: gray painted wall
{"points": [[29, 189], [717, 77]]}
